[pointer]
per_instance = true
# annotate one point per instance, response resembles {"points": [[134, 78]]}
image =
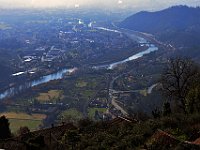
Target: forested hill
{"points": [[179, 25]]}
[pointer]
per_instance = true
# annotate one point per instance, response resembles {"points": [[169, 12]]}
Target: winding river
{"points": [[60, 74], [44, 79], [151, 48]]}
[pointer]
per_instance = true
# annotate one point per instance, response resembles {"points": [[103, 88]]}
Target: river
{"points": [[151, 48], [60, 74], [44, 79]]}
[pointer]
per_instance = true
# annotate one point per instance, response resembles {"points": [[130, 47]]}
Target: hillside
{"points": [[166, 133], [179, 25]]}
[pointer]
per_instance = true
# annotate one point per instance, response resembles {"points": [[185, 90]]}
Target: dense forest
{"points": [[178, 25]]}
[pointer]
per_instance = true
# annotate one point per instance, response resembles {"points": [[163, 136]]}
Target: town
{"points": [[66, 68]]}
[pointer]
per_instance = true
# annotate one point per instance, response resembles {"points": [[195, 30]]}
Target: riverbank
{"points": [[58, 75]]}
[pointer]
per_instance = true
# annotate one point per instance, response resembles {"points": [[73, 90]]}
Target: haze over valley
{"points": [[67, 61]]}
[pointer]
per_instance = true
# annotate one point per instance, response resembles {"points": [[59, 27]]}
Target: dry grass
{"points": [[143, 92], [81, 84], [18, 120], [15, 124], [50, 96], [14, 115]]}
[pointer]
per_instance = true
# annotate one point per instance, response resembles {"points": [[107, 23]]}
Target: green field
{"points": [[91, 111], [50, 96], [87, 93], [15, 124], [71, 115], [81, 84], [143, 92], [21, 119]]}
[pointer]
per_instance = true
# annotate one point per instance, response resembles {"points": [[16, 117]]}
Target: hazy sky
{"points": [[135, 4]]}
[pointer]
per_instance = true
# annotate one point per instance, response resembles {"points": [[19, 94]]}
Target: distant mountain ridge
{"points": [[178, 24]]}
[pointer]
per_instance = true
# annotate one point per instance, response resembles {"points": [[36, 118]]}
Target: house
{"points": [[47, 139]]}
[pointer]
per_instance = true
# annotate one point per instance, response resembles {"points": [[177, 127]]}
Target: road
{"points": [[147, 36], [112, 98], [150, 89]]}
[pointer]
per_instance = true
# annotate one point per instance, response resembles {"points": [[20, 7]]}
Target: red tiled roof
{"points": [[164, 138], [119, 120], [49, 134], [197, 141]]}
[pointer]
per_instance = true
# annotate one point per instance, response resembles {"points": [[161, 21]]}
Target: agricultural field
{"points": [[91, 111], [81, 84], [87, 93], [15, 124], [69, 97], [50, 96], [143, 92], [71, 114], [17, 120]]}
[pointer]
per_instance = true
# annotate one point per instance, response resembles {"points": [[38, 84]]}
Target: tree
{"points": [[156, 113], [72, 138], [23, 130], [193, 99], [177, 80], [166, 109], [4, 128]]}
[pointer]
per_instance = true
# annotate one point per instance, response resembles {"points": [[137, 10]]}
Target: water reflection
{"points": [[151, 48], [59, 75], [15, 90]]}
